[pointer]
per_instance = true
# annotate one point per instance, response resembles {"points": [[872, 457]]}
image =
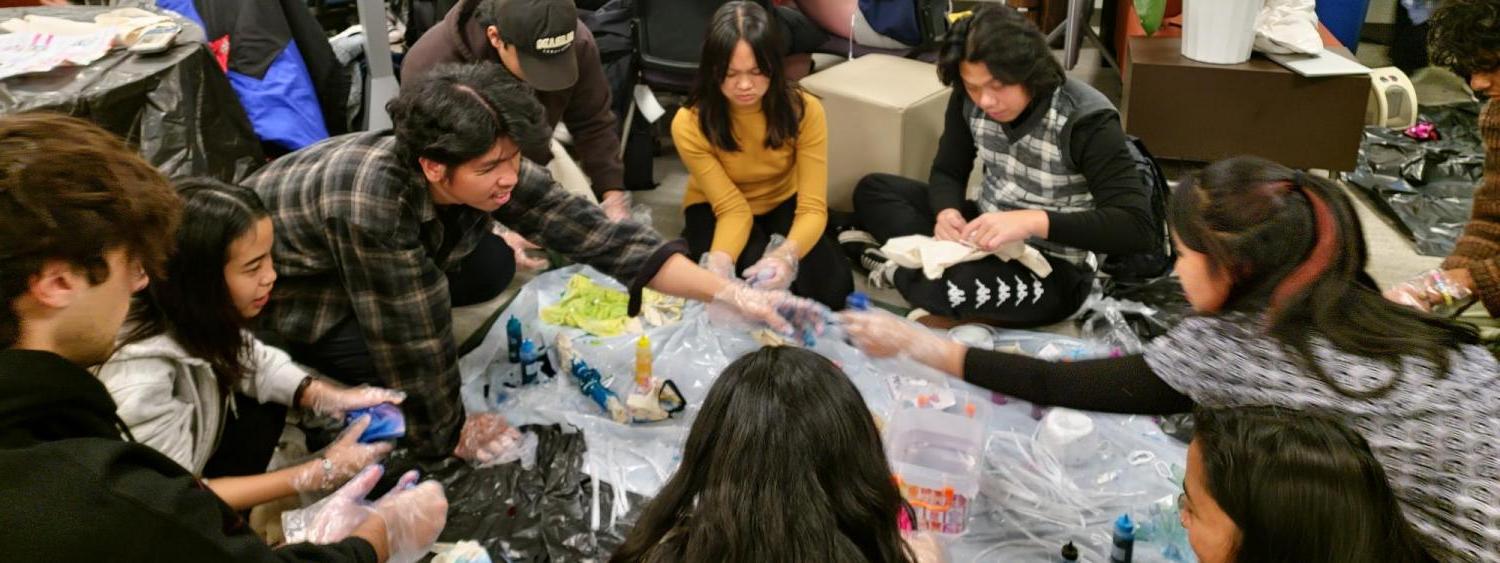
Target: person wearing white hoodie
{"points": [[186, 353]]}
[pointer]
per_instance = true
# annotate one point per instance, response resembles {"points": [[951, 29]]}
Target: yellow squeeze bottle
{"points": [[643, 364]]}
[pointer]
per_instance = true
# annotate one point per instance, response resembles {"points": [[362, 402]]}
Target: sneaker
{"points": [[856, 245], [882, 270]]}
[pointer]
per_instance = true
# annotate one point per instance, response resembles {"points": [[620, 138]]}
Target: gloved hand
{"points": [[335, 516], [414, 516], [340, 460], [519, 245], [927, 548], [783, 312], [882, 334], [1433, 289], [616, 204], [719, 263], [485, 437], [333, 400], [777, 268]]}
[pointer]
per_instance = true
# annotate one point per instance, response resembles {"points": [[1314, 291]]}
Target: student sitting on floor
{"points": [[191, 381], [1464, 39], [1267, 484], [761, 480], [1058, 174], [1273, 262], [756, 147], [87, 223]]}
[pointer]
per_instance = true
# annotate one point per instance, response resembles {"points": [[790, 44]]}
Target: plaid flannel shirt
{"points": [[357, 233]]}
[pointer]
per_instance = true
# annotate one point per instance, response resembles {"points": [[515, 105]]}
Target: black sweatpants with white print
{"points": [[989, 291]]}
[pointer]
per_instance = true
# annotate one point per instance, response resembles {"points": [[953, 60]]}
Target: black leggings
{"points": [[248, 439], [481, 276], [990, 291], [823, 274]]}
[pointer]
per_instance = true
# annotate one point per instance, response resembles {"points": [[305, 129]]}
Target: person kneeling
{"points": [[191, 381]]}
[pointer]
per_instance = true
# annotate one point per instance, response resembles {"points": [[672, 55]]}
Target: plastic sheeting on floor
{"points": [[1428, 186], [1029, 503], [176, 107]]}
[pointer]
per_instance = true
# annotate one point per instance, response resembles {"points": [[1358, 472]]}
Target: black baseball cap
{"points": [[543, 33]]}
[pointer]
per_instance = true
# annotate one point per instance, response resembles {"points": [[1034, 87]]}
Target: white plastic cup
{"points": [[1220, 32], [1069, 435]]}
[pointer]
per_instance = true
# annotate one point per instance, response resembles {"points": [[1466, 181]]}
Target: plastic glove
{"points": [[926, 547], [777, 268], [485, 437], [345, 457], [1445, 290], [616, 204], [333, 400], [882, 334], [414, 516], [719, 263], [519, 245], [337, 515], [783, 312]]}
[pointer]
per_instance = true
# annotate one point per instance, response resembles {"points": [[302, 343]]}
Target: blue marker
{"points": [[513, 339], [1124, 540]]}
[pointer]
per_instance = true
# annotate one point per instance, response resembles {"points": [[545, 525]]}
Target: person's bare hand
{"points": [[950, 226], [519, 245]]}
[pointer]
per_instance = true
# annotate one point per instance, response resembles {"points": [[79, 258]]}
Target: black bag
{"points": [[1137, 268]]}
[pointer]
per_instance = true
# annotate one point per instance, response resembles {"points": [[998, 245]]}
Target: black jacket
{"points": [[72, 490]]}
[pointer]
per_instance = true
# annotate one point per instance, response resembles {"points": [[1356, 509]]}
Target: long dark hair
{"points": [[1009, 45], [782, 104], [1296, 253], [784, 463], [1301, 488], [191, 304]]}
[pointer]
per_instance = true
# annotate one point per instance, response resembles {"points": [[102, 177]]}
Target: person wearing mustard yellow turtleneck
{"points": [[756, 149]]}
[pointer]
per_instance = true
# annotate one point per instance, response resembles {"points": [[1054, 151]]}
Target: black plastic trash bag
{"points": [[544, 514], [1428, 186]]}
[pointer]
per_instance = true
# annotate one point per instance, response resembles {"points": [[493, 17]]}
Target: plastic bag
{"points": [[1428, 186], [1288, 27]]}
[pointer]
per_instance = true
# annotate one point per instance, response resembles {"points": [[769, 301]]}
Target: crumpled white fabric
{"points": [[935, 256], [1286, 27]]}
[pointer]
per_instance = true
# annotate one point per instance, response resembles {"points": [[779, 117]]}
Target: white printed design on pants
{"points": [[981, 295], [1020, 290], [956, 296], [1004, 291]]}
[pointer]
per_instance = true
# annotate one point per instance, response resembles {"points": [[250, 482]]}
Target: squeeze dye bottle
{"points": [[513, 339], [1069, 554], [643, 365], [529, 362], [1123, 539]]}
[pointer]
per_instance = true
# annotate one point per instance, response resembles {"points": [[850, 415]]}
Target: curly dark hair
{"points": [[1463, 35], [1013, 49], [457, 112], [72, 191]]}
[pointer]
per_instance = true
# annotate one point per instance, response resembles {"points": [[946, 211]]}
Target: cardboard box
{"points": [[1189, 110], [885, 114]]}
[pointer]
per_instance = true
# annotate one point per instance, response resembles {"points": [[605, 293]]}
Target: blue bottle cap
{"points": [[528, 347], [1123, 526], [858, 301]]}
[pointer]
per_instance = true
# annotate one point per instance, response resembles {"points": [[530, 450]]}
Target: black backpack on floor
{"points": [[1138, 268]]}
